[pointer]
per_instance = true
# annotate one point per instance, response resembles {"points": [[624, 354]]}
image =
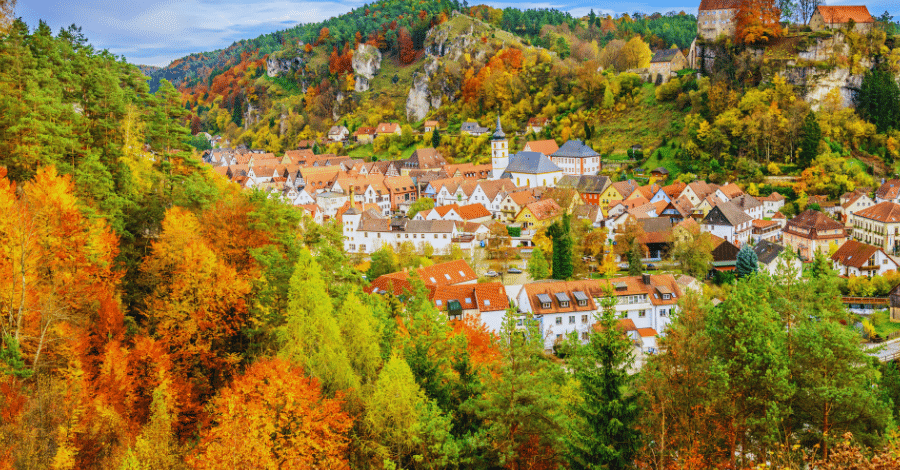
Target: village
{"points": [[427, 206]]}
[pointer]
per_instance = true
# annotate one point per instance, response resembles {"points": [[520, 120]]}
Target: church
{"points": [[525, 169]]}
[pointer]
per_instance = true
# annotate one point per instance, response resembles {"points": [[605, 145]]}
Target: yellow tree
{"points": [[274, 417], [634, 55]]}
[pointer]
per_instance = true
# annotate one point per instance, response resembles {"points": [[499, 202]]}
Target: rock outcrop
{"points": [[366, 64], [276, 66]]}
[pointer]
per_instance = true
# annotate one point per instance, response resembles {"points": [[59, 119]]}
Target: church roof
{"points": [[498, 134], [531, 162], [575, 149]]}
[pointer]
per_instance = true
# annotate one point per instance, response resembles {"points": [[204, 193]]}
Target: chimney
{"points": [[646, 278]]}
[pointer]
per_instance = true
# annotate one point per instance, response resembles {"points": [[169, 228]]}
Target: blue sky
{"points": [[155, 32]]}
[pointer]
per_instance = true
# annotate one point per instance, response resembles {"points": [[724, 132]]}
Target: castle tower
{"points": [[499, 151]]}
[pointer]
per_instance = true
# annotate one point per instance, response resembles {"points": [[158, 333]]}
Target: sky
{"points": [[155, 32]]}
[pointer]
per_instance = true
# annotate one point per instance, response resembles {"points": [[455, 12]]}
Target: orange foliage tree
{"points": [[56, 268], [405, 44], [274, 417], [197, 308], [757, 21]]}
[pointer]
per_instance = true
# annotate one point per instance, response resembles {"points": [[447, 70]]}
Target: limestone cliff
{"points": [[366, 63]]}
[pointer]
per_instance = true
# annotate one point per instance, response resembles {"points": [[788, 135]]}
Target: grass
{"points": [[663, 157], [883, 324], [645, 122]]}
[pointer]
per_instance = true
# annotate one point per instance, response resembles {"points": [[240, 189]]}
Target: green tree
{"points": [[436, 138], [421, 204], [747, 262], [383, 262], [362, 334], [878, 100], [635, 254], [561, 234], [693, 252], [604, 434], [810, 136], [311, 337], [537, 266], [11, 361], [521, 406]]}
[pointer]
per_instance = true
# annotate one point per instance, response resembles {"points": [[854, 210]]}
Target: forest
{"points": [[155, 316]]}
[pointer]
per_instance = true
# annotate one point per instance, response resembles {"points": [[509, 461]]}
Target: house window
{"points": [[584, 335], [663, 313], [582, 303], [665, 296], [352, 247], [571, 319], [559, 320], [564, 304], [584, 319], [545, 306], [642, 313]]}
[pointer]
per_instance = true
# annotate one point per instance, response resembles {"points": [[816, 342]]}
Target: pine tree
{"points": [[436, 138], [747, 263], [810, 135], [878, 100], [604, 434], [561, 233]]}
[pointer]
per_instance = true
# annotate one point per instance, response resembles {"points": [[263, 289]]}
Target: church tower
{"points": [[499, 151]]}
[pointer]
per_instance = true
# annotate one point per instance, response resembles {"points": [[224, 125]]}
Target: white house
{"points": [[366, 232], [728, 222], [854, 258], [770, 258], [561, 307], [576, 158]]}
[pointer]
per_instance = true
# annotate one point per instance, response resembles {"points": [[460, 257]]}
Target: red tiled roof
{"points": [[763, 223], [719, 4], [387, 128], [365, 131], [843, 14], [854, 254], [473, 211], [444, 210], [646, 332], [543, 209], [885, 212], [731, 190]]}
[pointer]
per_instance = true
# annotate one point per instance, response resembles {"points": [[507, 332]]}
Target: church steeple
{"points": [[498, 134], [499, 151]]}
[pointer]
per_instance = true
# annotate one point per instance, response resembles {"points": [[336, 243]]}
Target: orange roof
{"points": [[547, 147], [885, 212], [854, 254], [388, 128], [522, 198], [731, 190], [719, 4], [443, 210], [646, 332], [543, 209], [473, 211], [763, 223], [365, 131], [843, 14]]}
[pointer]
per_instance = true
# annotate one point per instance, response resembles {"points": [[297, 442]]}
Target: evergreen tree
{"points": [[747, 262], [604, 434], [436, 138], [878, 100], [561, 233], [537, 265], [237, 113], [634, 254], [810, 135]]}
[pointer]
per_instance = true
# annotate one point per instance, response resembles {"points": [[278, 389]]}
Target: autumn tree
{"points": [[628, 244], [692, 250], [635, 54], [274, 416], [7, 7], [196, 307], [757, 21], [405, 44]]}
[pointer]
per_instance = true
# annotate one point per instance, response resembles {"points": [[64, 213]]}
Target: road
{"points": [[889, 350]]}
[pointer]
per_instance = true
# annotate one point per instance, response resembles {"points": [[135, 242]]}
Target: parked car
{"points": [[514, 271], [492, 274], [651, 266]]}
